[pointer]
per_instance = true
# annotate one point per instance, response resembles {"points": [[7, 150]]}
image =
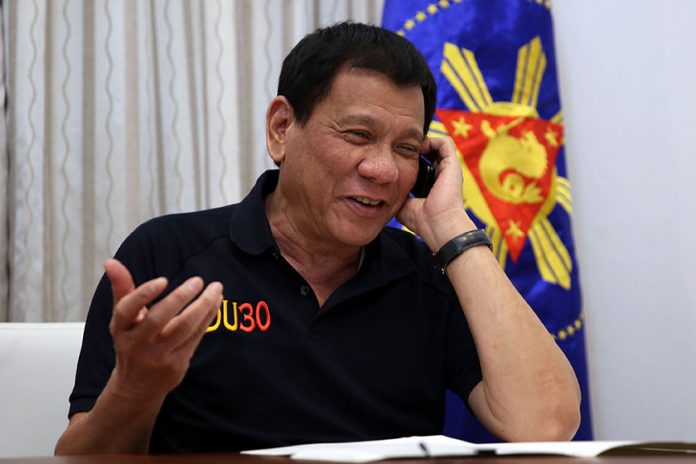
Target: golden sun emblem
{"points": [[525, 157], [507, 156]]}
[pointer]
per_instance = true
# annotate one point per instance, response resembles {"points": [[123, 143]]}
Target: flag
{"points": [[498, 100]]}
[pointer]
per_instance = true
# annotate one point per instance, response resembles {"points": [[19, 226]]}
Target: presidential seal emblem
{"points": [[508, 155]]}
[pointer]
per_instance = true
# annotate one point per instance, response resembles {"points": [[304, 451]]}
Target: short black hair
{"points": [[311, 66]]}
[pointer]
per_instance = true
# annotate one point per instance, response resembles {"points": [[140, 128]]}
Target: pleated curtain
{"points": [[116, 111]]}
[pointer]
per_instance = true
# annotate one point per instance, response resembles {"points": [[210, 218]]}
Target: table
{"points": [[243, 459]]}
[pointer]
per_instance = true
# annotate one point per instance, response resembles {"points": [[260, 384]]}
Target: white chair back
{"points": [[37, 372]]}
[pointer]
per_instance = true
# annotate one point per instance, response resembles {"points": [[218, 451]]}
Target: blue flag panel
{"points": [[498, 99]]}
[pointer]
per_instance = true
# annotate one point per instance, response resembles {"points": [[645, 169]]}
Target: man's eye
{"points": [[357, 136], [407, 149]]}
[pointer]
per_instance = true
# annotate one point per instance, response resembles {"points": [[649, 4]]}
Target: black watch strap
{"points": [[458, 245]]}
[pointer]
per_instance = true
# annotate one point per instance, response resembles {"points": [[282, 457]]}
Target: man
{"points": [[331, 327]]}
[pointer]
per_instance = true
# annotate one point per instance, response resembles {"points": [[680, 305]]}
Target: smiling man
{"points": [[330, 327]]}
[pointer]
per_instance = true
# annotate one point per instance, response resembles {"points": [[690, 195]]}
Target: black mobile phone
{"points": [[425, 179]]}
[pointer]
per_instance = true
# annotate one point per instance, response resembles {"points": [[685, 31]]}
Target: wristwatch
{"points": [[458, 245]]}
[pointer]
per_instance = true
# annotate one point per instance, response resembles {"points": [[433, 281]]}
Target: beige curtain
{"points": [[116, 111]]}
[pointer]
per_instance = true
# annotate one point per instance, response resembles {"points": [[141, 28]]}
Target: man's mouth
{"points": [[367, 201]]}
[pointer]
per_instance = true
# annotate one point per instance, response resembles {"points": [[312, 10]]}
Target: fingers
{"points": [[130, 309], [176, 318], [189, 326], [165, 319], [443, 154], [448, 153], [162, 312]]}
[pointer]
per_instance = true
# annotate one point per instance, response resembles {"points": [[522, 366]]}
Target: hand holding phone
{"points": [[433, 214]]}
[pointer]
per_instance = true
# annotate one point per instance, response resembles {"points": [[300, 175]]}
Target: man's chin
{"points": [[357, 236]]}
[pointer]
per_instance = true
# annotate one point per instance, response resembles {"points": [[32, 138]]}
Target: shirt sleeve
{"points": [[463, 370]]}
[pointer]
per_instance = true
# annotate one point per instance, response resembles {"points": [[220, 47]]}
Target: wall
{"points": [[628, 82]]}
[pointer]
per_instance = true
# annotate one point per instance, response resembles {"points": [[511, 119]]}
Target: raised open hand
{"points": [[154, 346]]}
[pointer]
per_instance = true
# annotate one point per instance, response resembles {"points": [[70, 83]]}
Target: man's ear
{"points": [[278, 118]]}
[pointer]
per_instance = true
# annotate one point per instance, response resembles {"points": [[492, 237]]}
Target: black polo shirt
{"points": [[275, 368]]}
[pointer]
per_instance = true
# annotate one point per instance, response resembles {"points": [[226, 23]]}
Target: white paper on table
{"points": [[441, 446]]}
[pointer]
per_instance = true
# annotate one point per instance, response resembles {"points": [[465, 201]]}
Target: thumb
{"points": [[120, 277], [407, 214]]}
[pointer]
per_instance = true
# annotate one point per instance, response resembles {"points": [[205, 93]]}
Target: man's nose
{"points": [[379, 165]]}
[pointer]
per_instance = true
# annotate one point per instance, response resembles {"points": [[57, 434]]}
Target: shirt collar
{"points": [[249, 227]]}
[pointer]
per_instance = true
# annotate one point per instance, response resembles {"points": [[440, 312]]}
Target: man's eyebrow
{"points": [[358, 119], [368, 120], [415, 133]]}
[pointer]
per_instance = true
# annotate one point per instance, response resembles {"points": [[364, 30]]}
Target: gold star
{"points": [[562, 335], [571, 330], [551, 137], [444, 3], [409, 24], [432, 8], [401, 32], [461, 127], [514, 230], [420, 16]]}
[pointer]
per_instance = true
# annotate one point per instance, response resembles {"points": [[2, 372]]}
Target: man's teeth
{"points": [[367, 201]]}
